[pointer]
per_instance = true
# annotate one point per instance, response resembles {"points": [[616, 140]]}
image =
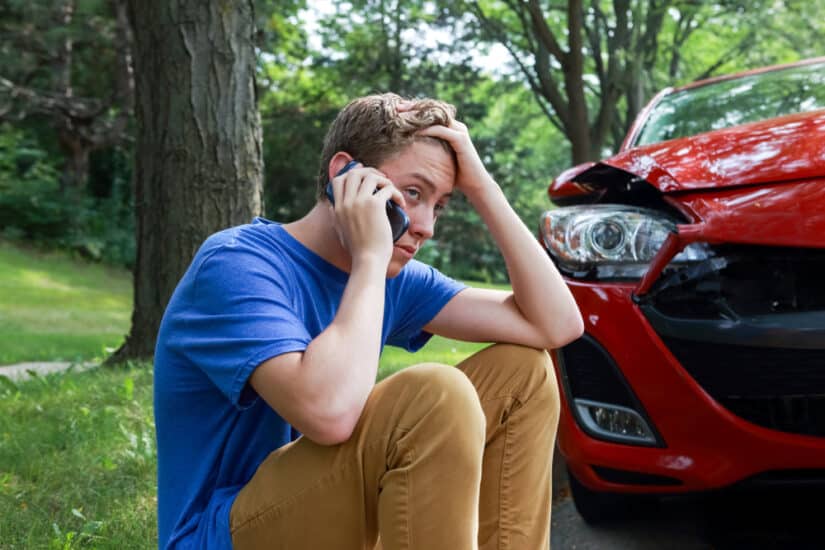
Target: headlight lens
{"points": [[609, 241]]}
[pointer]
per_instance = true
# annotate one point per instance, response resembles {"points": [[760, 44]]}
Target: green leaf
{"points": [[129, 388], [8, 384]]}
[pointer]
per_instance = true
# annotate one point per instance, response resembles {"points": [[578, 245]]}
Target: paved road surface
{"points": [[22, 371], [763, 520]]}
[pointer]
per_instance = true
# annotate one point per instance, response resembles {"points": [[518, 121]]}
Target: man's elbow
{"points": [[328, 436], [569, 330], [332, 428], [576, 327]]}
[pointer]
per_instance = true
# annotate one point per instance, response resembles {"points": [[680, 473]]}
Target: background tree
{"points": [[198, 156], [592, 65], [66, 96], [69, 62]]}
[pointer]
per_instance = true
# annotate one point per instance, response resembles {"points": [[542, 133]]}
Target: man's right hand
{"points": [[360, 213]]}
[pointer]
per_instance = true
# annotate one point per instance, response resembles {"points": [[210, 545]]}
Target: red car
{"points": [[697, 257]]}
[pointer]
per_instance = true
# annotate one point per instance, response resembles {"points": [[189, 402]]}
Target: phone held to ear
{"points": [[399, 222]]}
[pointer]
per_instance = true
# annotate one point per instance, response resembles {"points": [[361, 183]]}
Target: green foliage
{"points": [[55, 308], [65, 88], [292, 148], [387, 45], [34, 207], [297, 103], [77, 460], [633, 48], [35, 52], [31, 204], [104, 228]]}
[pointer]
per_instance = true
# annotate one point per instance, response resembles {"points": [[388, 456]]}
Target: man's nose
{"points": [[422, 223]]}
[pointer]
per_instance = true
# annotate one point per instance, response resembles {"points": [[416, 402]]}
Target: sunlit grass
{"points": [[53, 307], [437, 350]]}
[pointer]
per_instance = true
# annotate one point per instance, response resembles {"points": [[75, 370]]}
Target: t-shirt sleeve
{"points": [[421, 292], [240, 314]]}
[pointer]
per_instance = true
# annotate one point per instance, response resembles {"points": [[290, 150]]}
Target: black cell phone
{"points": [[399, 221]]}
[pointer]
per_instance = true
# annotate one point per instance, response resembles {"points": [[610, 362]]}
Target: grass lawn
{"points": [[55, 308], [77, 454], [77, 461]]}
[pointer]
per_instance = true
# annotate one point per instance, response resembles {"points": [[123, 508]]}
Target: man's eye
{"points": [[413, 193], [439, 208]]}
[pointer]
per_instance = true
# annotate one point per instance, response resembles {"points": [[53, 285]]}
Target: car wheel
{"points": [[597, 507]]}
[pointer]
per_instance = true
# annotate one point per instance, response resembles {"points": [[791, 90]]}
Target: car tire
{"points": [[597, 507]]}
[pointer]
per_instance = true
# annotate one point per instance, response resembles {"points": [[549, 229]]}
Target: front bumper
{"points": [[705, 445]]}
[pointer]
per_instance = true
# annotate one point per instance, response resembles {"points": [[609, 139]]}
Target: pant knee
{"points": [[447, 396], [531, 370], [540, 373]]}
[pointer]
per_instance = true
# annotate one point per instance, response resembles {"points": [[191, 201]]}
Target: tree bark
{"points": [[76, 154], [581, 143], [198, 156]]}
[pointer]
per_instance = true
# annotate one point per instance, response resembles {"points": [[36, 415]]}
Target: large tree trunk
{"points": [[198, 157]]}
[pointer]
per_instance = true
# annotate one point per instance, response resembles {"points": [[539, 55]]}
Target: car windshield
{"points": [[734, 102]]}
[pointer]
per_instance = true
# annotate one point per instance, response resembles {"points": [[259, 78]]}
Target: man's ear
{"points": [[337, 163]]}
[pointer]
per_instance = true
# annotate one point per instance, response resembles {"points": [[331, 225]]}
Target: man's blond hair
{"points": [[372, 130]]}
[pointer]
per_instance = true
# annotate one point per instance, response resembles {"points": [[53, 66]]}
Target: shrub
{"points": [[34, 207], [31, 204]]}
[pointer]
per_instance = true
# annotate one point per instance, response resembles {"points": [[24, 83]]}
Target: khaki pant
{"points": [[452, 458]]}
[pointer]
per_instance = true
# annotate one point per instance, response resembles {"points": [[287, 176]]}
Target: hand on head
{"points": [[471, 173]]}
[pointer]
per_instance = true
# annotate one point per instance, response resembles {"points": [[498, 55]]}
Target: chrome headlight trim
{"points": [[610, 241]]}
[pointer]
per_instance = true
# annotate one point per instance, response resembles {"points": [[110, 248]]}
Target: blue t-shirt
{"points": [[251, 293]]}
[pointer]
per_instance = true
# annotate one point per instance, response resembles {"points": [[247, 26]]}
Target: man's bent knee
{"points": [[525, 371], [537, 367], [445, 393]]}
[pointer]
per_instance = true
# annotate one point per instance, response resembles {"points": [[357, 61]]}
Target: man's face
{"points": [[425, 174]]}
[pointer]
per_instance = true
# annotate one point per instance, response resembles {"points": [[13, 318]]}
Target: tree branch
{"points": [[736, 50], [533, 77], [544, 33], [550, 89], [525, 24], [595, 38], [76, 108]]}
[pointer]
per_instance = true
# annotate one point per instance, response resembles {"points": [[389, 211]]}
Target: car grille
{"points": [[746, 280], [781, 389], [778, 381]]}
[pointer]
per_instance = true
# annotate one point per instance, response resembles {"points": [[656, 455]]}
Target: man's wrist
{"points": [[370, 263], [486, 189]]}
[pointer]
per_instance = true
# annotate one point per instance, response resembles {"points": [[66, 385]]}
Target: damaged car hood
{"points": [[772, 151]]}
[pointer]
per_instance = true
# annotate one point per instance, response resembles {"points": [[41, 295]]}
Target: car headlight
{"points": [[610, 241]]}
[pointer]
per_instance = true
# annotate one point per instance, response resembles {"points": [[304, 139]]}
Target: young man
{"points": [[276, 331]]}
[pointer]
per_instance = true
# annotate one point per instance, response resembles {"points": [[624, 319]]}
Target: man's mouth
{"points": [[408, 250]]}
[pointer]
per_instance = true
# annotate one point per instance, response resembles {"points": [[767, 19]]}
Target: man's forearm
{"points": [[341, 363], [539, 291]]}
